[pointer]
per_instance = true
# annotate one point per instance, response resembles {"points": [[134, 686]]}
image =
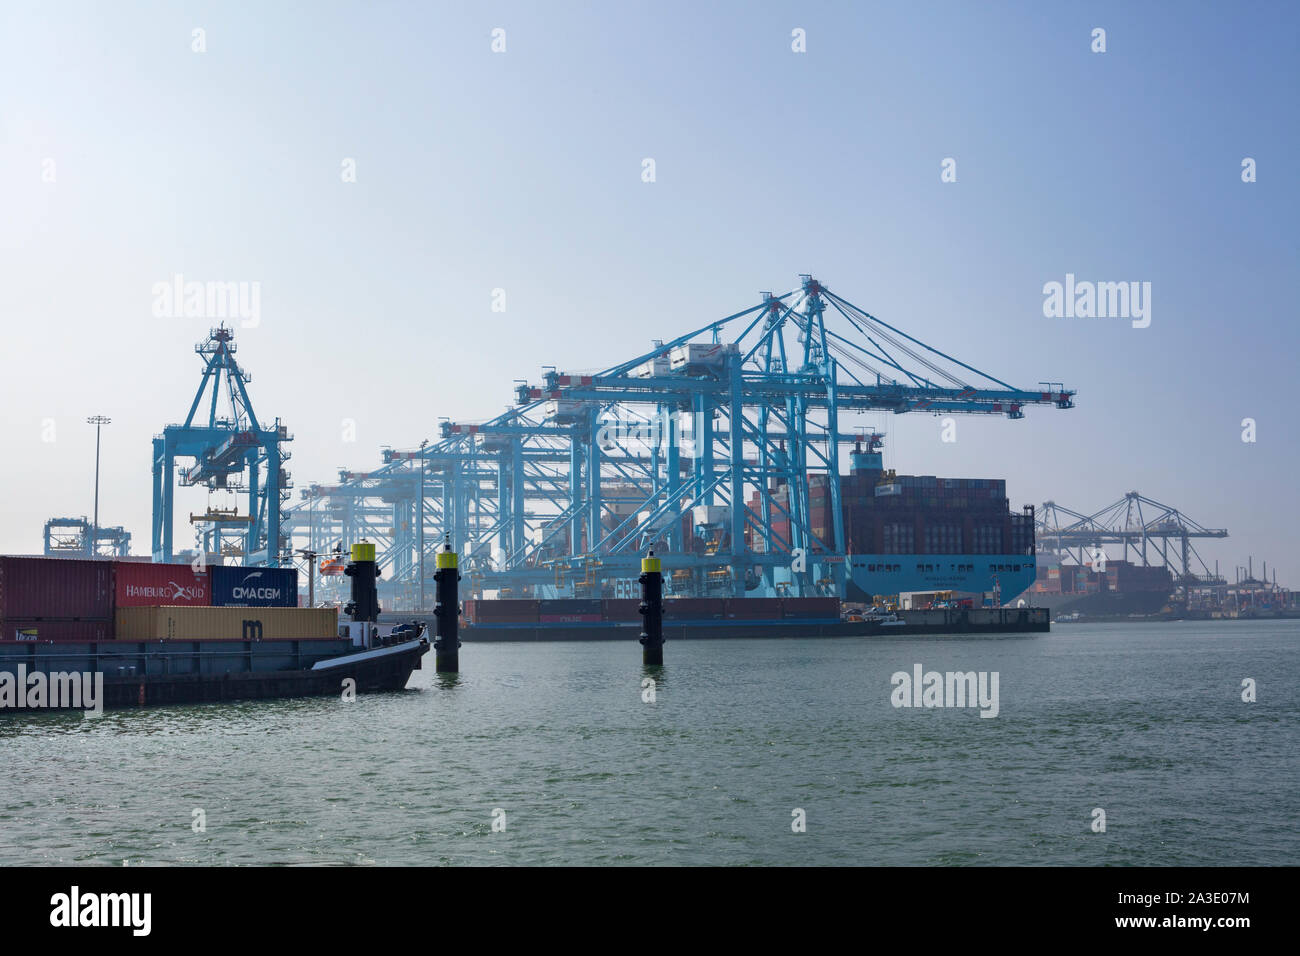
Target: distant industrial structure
{"points": [[79, 538], [1137, 557], [1142, 528]]}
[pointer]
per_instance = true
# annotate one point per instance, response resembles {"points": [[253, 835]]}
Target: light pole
{"points": [[99, 421], [420, 518], [311, 556]]}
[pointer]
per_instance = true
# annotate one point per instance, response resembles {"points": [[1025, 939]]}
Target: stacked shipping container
{"points": [[146, 585], [885, 513], [55, 599], [70, 600], [627, 610]]}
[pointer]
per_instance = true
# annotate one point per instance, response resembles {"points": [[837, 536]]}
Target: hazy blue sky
{"points": [[522, 170]]}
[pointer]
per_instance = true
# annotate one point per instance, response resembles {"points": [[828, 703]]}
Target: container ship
{"points": [[1123, 589], [166, 633], [919, 533]]}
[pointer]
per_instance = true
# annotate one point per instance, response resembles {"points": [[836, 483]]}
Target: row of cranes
{"points": [[562, 493], [1146, 532]]}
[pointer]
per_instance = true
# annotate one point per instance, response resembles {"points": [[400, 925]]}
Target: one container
{"points": [[64, 632], [569, 618], [569, 611], [693, 609], [811, 608], [621, 609], [56, 589], [226, 623], [254, 587], [146, 585], [509, 611], [569, 606], [754, 609]]}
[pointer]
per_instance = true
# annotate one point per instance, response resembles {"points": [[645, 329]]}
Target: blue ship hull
{"points": [[889, 574]]}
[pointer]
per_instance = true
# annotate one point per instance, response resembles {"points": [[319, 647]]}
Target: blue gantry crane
{"points": [[231, 451], [709, 447]]}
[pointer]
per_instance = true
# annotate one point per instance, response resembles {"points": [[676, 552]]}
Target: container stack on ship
{"points": [[920, 533], [166, 633], [1121, 589]]}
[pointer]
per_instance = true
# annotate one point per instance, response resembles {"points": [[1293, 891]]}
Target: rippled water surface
{"points": [[1143, 721]]}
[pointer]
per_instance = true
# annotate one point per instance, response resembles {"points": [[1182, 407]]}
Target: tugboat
{"points": [[364, 657]]}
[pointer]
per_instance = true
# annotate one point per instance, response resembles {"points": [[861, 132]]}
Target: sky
{"points": [[127, 157]]}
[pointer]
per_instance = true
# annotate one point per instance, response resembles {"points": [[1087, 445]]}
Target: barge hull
{"points": [[143, 674], [968, 621]]}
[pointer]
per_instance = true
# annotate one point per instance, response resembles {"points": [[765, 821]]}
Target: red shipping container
{"points": [[569, 606], [754, 609], [827, 608], [510, 611], [56, 589], [64, 632], [621, 609], [160, 585], [693, 609]]}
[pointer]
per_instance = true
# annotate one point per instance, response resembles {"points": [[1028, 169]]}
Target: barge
{"points": [[963, 621], [147, 673], [131, 635]]}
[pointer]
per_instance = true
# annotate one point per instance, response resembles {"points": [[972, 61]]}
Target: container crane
{"points": [[751, 402], [231, 451]]}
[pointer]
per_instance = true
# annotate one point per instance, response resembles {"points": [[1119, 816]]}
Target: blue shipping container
{"points": [[254, 587]]}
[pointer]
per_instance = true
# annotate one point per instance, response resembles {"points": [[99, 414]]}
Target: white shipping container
{"points": [[711, 514], [662, 523], [656, 366], [558, 410], [705, 356]]}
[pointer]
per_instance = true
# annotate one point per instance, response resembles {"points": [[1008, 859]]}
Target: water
{"points": [[1143, 721]]}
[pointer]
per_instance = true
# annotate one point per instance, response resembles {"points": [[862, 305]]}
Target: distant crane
{"points": [[72, 537], [229, 445], [1134, 522]]}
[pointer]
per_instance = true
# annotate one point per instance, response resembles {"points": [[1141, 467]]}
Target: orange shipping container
{"points": [[225, 623]]}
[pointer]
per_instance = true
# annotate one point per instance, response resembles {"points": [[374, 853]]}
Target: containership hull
{"points": [[889, 574], [969, 622]]}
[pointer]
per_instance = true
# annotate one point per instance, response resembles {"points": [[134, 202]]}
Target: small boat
{"points": [[884, 618]]}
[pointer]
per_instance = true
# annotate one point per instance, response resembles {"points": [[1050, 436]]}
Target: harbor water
{"points": [[553, 754]]}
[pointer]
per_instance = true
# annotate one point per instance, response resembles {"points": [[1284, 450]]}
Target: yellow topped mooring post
{"points": [[446, 649], [652, 611], [363, 571]]}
